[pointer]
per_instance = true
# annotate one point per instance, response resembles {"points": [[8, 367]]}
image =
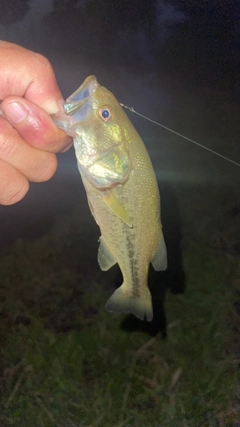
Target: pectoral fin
{"points": [[105, 258], [116, 207], [159, 261]]}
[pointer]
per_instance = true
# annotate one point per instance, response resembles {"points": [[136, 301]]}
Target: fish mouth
{"points": [[78, 104], [77, 107]]}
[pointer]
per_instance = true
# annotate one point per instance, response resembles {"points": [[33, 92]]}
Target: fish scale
{"points": [[122, 192]]}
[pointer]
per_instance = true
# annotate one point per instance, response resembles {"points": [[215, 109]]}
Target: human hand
{"points": [[28, 136]]}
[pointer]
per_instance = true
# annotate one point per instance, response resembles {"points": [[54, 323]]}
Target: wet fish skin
{"points": [[122, 192]]}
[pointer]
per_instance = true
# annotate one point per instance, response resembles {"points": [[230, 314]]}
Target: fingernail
{"points": [[15, 112]]}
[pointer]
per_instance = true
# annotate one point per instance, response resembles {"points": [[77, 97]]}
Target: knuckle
{"points": [[7, 147], [14, 189], [17, 194], [45, 64], [48, 168]]}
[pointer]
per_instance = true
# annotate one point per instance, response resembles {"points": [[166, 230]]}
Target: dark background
{"points": [[176, 62]]}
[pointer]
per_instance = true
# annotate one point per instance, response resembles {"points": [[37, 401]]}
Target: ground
{"points": [[67, 362], [64, 360]]}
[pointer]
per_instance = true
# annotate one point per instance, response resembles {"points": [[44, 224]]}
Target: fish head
{"points": [[98, 125]]}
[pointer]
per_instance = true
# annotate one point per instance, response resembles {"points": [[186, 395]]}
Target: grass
{"points": [[66, 362]]}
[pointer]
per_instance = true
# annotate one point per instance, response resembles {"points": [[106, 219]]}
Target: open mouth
{"points": [[76, 107], [77, 104]]}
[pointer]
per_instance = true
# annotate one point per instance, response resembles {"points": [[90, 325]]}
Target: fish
{"points": [[122, 192]]}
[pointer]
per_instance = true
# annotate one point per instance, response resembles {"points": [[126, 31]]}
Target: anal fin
{"points": [[105, 258], [159, 261]]}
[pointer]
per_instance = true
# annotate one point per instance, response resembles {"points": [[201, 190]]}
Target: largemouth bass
{"points": [[122, 192]]}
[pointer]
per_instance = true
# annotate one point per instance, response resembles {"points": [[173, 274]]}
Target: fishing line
{"points": [[182, 136]]}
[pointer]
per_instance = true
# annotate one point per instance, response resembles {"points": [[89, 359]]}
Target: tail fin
{"points": [[124, 302]]}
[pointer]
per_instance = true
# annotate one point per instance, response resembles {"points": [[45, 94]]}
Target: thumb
{"points": [[34, 125]]}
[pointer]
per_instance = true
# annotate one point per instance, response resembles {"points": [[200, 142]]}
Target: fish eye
{"points": [[106, 113]]}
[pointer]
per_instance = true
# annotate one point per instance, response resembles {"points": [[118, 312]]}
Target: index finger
{"points": [[28, 74]]}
